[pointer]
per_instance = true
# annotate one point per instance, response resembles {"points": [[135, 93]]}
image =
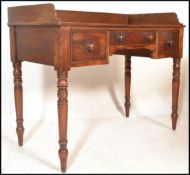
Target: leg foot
{"points": [[20, 133], [63, 154], [174, 120]]}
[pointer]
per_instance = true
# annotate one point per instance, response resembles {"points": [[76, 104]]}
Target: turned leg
{"points": [[127, 83], [62, 117], [175, 90], [17, 73]]}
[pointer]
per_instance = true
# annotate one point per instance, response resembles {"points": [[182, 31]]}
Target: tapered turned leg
{"points": [[17, 73], [127, 83], [175, 90], [62, 117]]}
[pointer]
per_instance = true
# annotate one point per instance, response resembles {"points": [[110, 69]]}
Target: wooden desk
{"points": [[66, 39]]}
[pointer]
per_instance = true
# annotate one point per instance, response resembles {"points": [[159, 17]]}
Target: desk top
{"points": [[45, 14], [66, 39]]}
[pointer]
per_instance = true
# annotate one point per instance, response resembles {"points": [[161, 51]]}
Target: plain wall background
{"points": [[93, 89]]}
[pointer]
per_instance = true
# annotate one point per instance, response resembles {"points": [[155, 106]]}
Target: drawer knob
{"points": [[120, 38], [150, 37], [170, 43], [90, 46]]}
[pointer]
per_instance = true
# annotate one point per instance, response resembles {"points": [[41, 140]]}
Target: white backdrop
{"points": [[91, 87]]}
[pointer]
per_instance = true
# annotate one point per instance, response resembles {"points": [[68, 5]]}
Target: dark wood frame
{"points": [[65, 39]]}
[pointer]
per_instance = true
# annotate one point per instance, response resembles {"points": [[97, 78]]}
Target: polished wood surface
{"points": [[66, 39], [168, 43], [17, 73], [127, 83], [132, 37], [175, 90], [88, 46], [62, 104]]}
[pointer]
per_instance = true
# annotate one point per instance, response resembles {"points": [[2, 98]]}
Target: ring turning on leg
{"points": [[62, 104], [17, 73], [175, 90], [127, 83]]}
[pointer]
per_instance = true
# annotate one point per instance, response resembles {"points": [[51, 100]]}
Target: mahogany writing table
{"points": [[66, 39]]}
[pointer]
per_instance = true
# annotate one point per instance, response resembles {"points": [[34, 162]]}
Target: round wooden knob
{"points": [[120, 38], [170, 43], [90, 46], [150, 37]]}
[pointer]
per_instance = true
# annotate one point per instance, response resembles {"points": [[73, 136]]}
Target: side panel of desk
{"points": [[37, 43]]}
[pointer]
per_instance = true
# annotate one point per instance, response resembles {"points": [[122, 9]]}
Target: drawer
{"points": [[132, 37], [88, 47], [167, 44]]}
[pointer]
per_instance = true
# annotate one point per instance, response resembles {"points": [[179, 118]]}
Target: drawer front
{"points": [[132, 37], [167, 44], [89, 47]]}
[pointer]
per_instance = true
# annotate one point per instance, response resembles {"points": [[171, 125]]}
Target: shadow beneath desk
{"points": [[156, 122], [160, 84], [114, 97], [34, 129], [48, 87], [81, 142], [150, 119], [14, 146]]}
